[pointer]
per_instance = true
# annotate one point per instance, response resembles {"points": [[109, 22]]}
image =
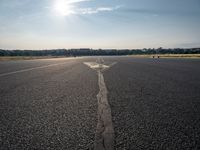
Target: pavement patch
{"points": [[104, 137]]}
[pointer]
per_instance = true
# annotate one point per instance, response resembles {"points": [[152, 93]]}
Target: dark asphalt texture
{"points": [[155, 104], [49, 108]]}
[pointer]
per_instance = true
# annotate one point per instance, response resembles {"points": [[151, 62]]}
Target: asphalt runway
{"points": [[52, 103]]}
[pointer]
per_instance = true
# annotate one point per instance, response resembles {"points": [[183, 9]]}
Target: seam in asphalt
{"points": [[104, 137]]}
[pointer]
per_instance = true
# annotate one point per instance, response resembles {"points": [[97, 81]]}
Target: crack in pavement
{"points": [[104, 137]]}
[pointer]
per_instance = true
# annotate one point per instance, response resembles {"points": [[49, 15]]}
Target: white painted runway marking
{"points": [[104, 137], [30, 69], [95, 65]]}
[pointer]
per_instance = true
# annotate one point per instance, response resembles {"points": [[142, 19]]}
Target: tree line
{"points": [[97, 52]]}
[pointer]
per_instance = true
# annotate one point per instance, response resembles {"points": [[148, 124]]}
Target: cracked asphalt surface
{"points": [[155, 103]]}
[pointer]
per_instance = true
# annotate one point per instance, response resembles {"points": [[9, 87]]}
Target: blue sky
{"points": [[46, 24]]}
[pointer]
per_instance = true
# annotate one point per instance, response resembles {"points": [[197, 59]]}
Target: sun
{"points": [[63, 8]]}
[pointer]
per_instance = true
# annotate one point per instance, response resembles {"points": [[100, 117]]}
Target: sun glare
{"points": [[63, 8]]}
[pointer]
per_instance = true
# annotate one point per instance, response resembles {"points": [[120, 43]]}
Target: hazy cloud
{"points": [[76, 1], [66, 7], [96, 10]]}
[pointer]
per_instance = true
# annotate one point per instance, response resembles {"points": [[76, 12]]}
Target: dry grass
{"points": [[14, 58], [9, 58]]}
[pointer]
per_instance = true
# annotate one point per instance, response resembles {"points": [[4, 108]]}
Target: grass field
{"points": [[170, 56], [14, 58]]}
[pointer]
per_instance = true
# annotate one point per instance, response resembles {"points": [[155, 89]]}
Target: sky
{"points": [[118, 24]]}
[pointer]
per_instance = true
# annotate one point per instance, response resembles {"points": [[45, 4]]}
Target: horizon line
{"points": [[100, 48]]}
